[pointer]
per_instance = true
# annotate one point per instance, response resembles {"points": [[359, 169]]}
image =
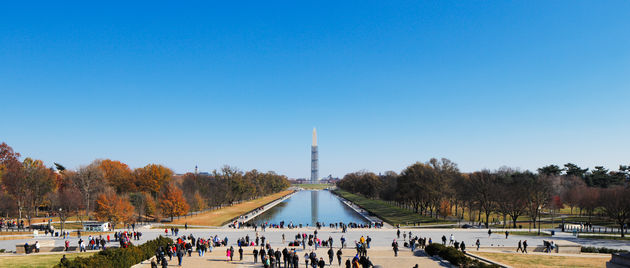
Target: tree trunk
{"points": [[514, 220], [487, 218]]}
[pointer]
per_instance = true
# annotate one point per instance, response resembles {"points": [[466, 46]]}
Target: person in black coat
{"points": [[296, 260], [240, 253], [255, 255], [331, 255], [164, 262], [339, 256], [321, 263]]}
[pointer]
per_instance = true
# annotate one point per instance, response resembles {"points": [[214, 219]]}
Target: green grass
{"points": [[529, 233], [68, 225], [34, 260], [387, 212]]}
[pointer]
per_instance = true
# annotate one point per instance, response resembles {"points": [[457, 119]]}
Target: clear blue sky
{"points": [[386, 83]]}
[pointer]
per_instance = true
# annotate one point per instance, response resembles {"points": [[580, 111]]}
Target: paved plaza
{"points": [[382, 256], [380, 237]]}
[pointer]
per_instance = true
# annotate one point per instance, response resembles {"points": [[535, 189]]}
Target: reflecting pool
{"points": [[309, 207]]}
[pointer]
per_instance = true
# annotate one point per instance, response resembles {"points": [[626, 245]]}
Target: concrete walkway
{"points": [[249, 216]]}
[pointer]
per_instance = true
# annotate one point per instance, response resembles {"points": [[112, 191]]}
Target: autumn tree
{"points": [[8, 158], [198, 203], [114, 209], [118, 175], [151, 178], [13, 176], [172, 202], [143, 203], [41, 181]]}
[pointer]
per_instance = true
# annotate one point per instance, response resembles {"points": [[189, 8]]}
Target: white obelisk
{"points": [[314, 166]]}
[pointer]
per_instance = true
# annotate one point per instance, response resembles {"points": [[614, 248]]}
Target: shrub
{"points": [[453, 256], [118, 257], [601, 250], [433, 249]]}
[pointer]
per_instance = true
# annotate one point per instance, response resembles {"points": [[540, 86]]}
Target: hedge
{"points": [[118, 257], [602, 250], [455, 257]]}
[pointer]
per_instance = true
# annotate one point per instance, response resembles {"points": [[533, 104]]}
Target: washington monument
{"points": [[314, 168]]}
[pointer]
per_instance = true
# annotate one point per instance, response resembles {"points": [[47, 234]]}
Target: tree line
{"points": [[438, 189], [110, 190]]}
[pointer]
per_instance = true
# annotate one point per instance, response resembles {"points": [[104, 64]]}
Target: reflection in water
{"points": [[314, 207], [296, 210]]}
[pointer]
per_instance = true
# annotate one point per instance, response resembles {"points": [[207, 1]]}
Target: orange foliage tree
{"points": [[118, 175], [114, 209], [151, 178], [172, 202]]}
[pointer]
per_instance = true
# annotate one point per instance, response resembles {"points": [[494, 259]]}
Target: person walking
{"points": [[240, 253], [398, 233], [478, 244], [321, 263], [489, 232], [525, 246], [463, 246], [520, 246], [255, 252], [507, 233], [331, 255], [339, 253], [395, 248], [180, 257]]}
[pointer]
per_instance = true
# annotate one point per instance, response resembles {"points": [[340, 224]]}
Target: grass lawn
{"points": [[539, 260], [33, 260], [389, 213], [532, 233], [221, 216], [313, 186], [68, 226]]}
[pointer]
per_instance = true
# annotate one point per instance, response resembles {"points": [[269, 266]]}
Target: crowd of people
{"points": [[11, 224], [290, 225]]}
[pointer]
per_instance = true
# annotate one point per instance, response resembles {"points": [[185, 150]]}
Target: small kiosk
{"points": [[95, 226]]}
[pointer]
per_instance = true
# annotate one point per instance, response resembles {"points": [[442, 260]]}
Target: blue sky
{"points": [[386, 83]]}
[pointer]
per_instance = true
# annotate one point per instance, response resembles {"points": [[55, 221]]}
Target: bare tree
{"points": [[89, 181], [616, 205]]}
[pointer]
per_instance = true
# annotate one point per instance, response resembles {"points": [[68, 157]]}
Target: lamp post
{"points": [[61, 218], [539, 211]]}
